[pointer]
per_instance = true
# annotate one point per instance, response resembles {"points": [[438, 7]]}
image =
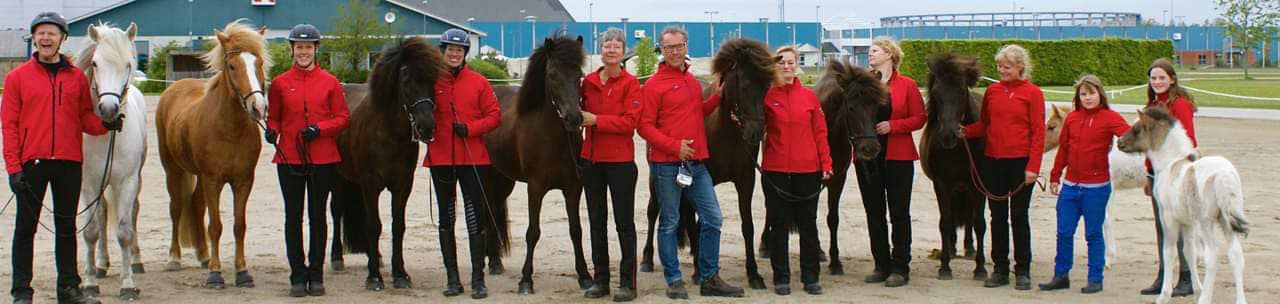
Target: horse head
{"points": [[1053, 127], [855, 95], [406, 73], [950, 101], [110, 60], [747, 70], [240, 59], [1149, 133], [555, 72]]}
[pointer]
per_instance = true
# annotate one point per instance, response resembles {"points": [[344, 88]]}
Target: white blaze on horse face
{"points": [[258, 100]]}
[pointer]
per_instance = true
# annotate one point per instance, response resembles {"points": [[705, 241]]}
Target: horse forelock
{"points": [[416, 56], [556, 58], [240, 38], [112, 45]]}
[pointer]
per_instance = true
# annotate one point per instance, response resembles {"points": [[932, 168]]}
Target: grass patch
{"points": [[1236, 86]]}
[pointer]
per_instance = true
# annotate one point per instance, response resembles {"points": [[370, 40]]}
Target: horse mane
{"points": [[557, 53], [241, 38], [114, 44], [418, 57], [950, 77], [842, 81], [1160, 115], [751, 56]]}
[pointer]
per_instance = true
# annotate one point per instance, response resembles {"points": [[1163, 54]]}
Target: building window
{"points": [[1203, 59]]}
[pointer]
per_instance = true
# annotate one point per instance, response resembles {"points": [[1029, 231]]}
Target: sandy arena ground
{"points": [[1249, 143]]}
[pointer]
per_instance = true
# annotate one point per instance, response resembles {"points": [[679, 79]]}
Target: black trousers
{"points": [[64, 179], [1001, 176], [783, 213], [446, 179], [314, 188], [886, 188], [619, 180], [1182, 259]]}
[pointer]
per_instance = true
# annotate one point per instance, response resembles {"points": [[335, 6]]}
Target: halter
{"points": [[124, 89], [243, 99], [413, 121]]}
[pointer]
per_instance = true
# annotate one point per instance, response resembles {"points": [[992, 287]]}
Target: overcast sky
{"points": [[860, 12]]}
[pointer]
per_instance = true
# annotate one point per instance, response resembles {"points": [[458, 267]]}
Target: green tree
{"points": [[358, 30], [156, 68], [500, 63], [281, 58], [1248, 23], [646, 59]]}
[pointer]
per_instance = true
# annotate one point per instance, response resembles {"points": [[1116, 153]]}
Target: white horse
{"points": [[1200, 199], [1128, 171], [109, 60]]}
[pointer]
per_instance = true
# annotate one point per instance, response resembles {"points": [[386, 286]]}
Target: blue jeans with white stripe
{"points": [[1076, 201]]}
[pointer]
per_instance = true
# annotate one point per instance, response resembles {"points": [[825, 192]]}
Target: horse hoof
{"points": [[173, 266], [646, 267], [100, 273], [980, 275], [244, 280], [585, 283], [837, 269], [935, 254], [526, 288], [822, 256], [497, 269], [756, 283], [401, 283], [92, 291], [215, 281], [374, 284], [204, 265], [138, 268], [129, 294], [337, 266], [944, 275]]}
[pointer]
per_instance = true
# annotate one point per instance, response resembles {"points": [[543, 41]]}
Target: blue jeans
{"points": [[703, 195], [1091, 203]]}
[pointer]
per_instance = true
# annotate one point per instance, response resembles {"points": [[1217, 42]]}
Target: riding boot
{"points": [[478, 254], [448, 246], [1154, 289], [1183, 288]]}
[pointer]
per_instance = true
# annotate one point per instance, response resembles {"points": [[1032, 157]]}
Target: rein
{"points": [[982, 187]]}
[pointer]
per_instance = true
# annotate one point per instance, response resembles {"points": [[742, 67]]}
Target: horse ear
{"points": [[579, 39], [133, 30], [93, 33], [262, 31], [222, 37], [1057, 112]]}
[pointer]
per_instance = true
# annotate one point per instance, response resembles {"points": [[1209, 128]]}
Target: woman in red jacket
{"points": [[796, 161], [610, 111], [306, 111], [889, 188], [1013, 125], [1163, 91], [1085, 142], [467, 109]]}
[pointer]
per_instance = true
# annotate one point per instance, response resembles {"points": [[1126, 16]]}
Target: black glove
{"points": [[18, 182], [114, 125], [460, 129], [271, 136], [310, 132]]}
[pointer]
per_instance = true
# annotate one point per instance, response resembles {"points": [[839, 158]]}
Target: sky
{"points": [[861, 13]]}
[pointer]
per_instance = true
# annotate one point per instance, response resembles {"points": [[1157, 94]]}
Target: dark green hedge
{"points": [[1055, 62], [488, 69]]}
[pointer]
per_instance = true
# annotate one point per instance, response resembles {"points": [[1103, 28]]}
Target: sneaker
{"points": [[73, 295], [996, 280], [597, 291], [896, 280], [813, 288], [676, 291], [717, 287], [298, 290], [1093, 287], [1023, 282], [782, 289], [876, 277], [315, 288], [624, 294], [1058, 282]]}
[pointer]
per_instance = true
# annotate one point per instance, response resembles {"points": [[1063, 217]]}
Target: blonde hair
{"points": [[888, 45], [1016, 55], [786, 49]]}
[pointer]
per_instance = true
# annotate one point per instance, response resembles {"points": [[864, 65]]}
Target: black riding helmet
{"points": [[304, 33], [455, 37], [50, 18]]}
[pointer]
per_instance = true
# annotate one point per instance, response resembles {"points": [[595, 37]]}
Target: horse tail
{"points": [[351, 208], [497, 187], [1227, 195], [190, 217]]}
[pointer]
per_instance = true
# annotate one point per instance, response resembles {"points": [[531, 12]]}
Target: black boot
{"points": [[597, 290], [876, 277], [1058, 282], [448, 247], [625, 294], [997, 280], [1093, 287], [73, 295], [1183, 288], [1154, 289], [298, 290]]}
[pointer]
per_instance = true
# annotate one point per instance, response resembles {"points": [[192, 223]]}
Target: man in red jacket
{"points": [[46, 107], [467, 110], [307, 107], [672, 123]]}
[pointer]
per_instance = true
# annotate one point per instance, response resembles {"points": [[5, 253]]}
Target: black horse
{"points": [[946, 160], [379, 150]]}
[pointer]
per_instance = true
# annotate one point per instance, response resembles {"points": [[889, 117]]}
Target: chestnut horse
{"points": [[208, 133]]}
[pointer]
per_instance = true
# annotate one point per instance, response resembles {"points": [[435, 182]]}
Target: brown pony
{"points": [[379, 150], [537, 143], [944, 157], [747, 70], [208, 133]]}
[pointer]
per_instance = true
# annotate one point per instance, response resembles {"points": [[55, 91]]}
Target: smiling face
{"points": [[304, 54], [48, 40], [1159, 80], [674, 47], [1009, 71], [611, 52], [787, 66], [454, 55]]}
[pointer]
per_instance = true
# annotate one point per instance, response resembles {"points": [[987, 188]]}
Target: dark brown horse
{"points": [[943, 155], [747, 70], [538, 144], [380, 152]]}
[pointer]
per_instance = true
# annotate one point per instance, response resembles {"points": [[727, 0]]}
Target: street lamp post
{"points": [[765, 22], [595, 47], [711, 24], [533, 32], [424, 18], [190, 3]]}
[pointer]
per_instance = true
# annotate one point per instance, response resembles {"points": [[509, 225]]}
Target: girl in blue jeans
{"points": [[1086, 140]]}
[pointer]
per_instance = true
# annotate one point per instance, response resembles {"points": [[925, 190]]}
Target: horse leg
{"points": [[646, 263], [399, 200], [104, 258], [572, 199], [946, 230], [337, 203], [536, 192], [498, 189], [124, 198], [180, 196], [834, 189], [369, 196], [978, 224], [208, 191], [1235, 255], [745, 189], [689, 225], [92, 234], [1171, 235], [1210, 255], [137, 266], [240, 193], [1110, 238]]}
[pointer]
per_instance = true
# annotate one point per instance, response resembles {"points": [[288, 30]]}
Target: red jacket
{"points": [[471, 96], [1012, 121], [45, 113], [673, 110], [795, 131], [616, 105], [907, 116], [298, 99], [1085, 143]]}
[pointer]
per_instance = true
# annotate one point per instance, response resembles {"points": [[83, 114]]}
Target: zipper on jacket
{"points": [[53, 114]]}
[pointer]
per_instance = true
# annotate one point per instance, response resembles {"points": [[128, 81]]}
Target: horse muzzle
{"points": [[867, 148], [108, 110]]}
